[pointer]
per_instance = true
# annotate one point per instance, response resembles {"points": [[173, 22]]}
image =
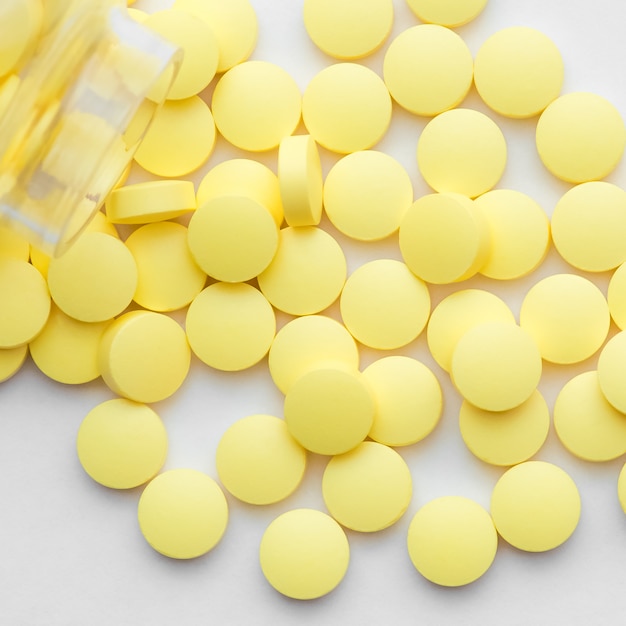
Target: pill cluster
{"points": [[248, 242]]}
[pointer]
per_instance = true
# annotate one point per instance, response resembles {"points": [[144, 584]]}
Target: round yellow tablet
{"points": [[307, 273], [258, 461], [230, 326], [621, 488], [462, 151], [589, 226], [25, 302], [243, 177], [329, 410], [428, 69], [180, 139], [346, 107], [348, 29], [447, 12], [409, 401], [144, 356], [13, 245], [384, 305], [595, 134], [452, 541], [256, 105], [304, 554], [458, 313], [168, 278], [368, 488], [518, 71], [567, 316], [21, 26], [11, 361], [520, 234], [444, 238], [616, 296], [535, 506], [496, 366], [182, 513], [121, 444], [366, 195], [301, 182], [505, 437], [611, 369], [66, 350], [234, 24], [232, 238]]}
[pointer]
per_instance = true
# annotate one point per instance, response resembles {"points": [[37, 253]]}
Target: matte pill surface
{"points": [[611, 363], [11, 361], [447, 12]]}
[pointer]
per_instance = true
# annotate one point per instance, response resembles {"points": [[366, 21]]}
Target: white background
{"points": [[71, 552]]}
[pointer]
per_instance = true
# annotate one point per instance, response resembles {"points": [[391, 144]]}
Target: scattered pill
{"points": [[447, 12], [616, 296], [11, 361], [610, 371]]}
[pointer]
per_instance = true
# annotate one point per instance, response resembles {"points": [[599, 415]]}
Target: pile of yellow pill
{"points": [[246, 267]]}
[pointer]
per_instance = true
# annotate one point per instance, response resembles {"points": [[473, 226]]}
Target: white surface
{"points": [[71, 552]]}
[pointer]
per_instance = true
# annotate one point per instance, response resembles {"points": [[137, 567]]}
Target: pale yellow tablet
{"points": [[428, 69], [496, 366], [309, 543], [122, 444], [506, 437], [444, 238], [21, 26], [452, 541], [230, 326], [384, 305], [346, 107], [447, 12], [256, 105], [458, 313], [611, 369], [567, 316], [329, 410], [595, 134], [258, 461], [348, 29], [367, 194], [589, 226], [616, 296], [11, 361], [307, 273], [182, 513], [535, 506], [13, 245], [462, 151], [520, 234]]}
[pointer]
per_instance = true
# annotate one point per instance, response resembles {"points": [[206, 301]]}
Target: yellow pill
{"points": [[151, 201], [595, 137], [621, 488], [447, 12], [458, 313], [610, 371], [428, 69], [535, 506], [616, 296], [230, 326], [567, 316], [496, 366], [232, 238], [25, 302], [300, 178], [234, 24], [409, 401], [367, 489], [518, 71], [66, 350], [309, 543], [452, 541], [258, 461], [256, 105], [329, 410], [444, 238], [304, 343], [180, 139], [462, 151], [182, 513], [121, 444], [589, 226], [21, 26], [505, 437], [367, 194], [348, 29], [346, 107], [11, 361], [307, 274], [144, 356], [384, 305], [13, 245], [243, 177]]}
